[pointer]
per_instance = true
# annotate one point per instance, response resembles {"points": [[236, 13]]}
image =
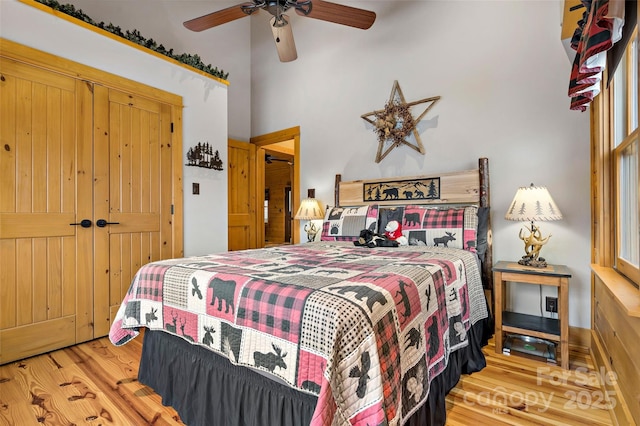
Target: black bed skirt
{"points": [[206, 389]]}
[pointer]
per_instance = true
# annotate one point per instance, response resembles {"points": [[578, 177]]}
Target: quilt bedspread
{"points": [[366, 330]]}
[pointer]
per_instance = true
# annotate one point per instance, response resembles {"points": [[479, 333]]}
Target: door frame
{"points": [[262, 141]]}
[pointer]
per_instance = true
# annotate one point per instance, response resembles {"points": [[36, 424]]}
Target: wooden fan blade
{"points": [[217, 18], [341, 14], [283, 36]]}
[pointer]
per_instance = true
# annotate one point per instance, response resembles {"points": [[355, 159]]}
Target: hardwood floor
{"points": [[513, 390], [95, 384]]}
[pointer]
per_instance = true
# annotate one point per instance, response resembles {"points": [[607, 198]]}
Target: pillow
{"points": [[387, 214], [345, 223], [483, 229], [448, 227]]}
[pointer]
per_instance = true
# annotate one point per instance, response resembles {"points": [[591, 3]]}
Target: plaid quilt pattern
{"points": [[364, 329], [389, 357], [273, 308], [434, 218], [436, 326], [151, 282]]}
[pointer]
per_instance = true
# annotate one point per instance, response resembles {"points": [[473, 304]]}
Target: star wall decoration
{"points": [[395, 122]]}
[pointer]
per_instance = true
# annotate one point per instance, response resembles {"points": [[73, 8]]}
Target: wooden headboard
{"points": [[464, 187], [468, 187]]}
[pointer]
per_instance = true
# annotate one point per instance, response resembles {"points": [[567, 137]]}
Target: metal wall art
{"points": [[202, 155], [402, 190]]}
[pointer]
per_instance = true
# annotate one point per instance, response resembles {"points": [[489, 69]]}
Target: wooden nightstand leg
{"points": [[563, 302], [498, 290]]}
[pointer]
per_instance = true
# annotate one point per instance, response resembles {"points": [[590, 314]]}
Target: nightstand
{"points": [[556, 330]]}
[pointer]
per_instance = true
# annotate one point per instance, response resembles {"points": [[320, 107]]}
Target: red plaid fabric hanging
{"points": [[599, 28]]}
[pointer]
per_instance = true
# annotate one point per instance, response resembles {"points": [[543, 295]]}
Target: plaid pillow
{"points": [[450, 227], [345, 223]]}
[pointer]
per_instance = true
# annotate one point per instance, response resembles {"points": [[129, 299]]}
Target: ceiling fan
{"points": [[269, 159], [282, 34]]}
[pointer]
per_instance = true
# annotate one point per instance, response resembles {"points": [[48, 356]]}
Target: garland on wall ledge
{"points": [[134, 36]]}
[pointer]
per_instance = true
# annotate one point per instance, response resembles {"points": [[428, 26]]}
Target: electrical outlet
{"points": [[552, 304]]}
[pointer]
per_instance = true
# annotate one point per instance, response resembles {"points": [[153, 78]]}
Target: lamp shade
{"points": [[310, 209], [533, 204]]}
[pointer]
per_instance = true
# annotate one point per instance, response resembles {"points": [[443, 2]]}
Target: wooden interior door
{"points": [[133, 192], [243, 229], [46, 258]]}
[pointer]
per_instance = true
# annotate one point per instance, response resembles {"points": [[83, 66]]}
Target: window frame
{"points": [[621, 264], [617, 145]]}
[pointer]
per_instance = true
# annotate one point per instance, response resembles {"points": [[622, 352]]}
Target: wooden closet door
{"points": [[133, 193], [46, 263]]}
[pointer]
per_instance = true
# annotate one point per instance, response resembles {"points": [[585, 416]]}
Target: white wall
{"points": [[499, 67], [204, 114], [226, 47], [503, 75]]}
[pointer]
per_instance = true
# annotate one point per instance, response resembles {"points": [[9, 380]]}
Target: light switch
{"points": [[196, 188]]}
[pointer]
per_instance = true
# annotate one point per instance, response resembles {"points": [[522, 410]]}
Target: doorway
{"points": [[278, 178], [278, 168]]}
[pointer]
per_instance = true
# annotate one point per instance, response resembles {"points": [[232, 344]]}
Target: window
{"points": [[627, 224], [625, 135]]}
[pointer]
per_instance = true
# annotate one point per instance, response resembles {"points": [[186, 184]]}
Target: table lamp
{"points": [[533, 204], [310, 209]]}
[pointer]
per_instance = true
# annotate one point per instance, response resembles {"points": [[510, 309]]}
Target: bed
{"points": [[327, 332]]}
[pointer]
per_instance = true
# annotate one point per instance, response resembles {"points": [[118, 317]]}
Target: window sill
{"points": [[626, 295]]}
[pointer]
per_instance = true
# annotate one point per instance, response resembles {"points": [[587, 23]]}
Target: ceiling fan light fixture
{"points": [[280, 21]]}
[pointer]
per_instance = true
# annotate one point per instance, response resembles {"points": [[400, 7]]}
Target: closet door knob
{"points": [[101, 223], [85, 223]]}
